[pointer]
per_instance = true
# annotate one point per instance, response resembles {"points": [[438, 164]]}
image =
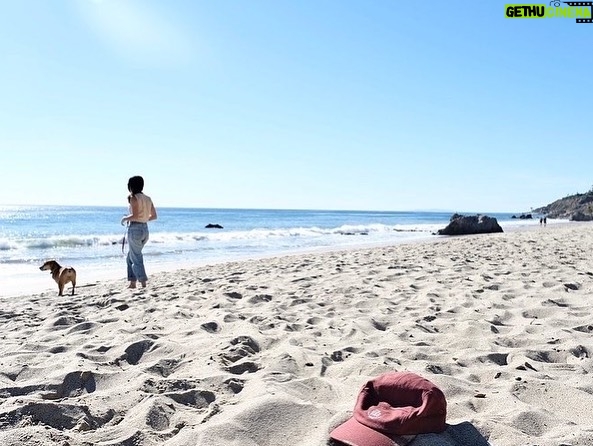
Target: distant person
{"points": [[541, 220], [141, 212], [545, 221]]}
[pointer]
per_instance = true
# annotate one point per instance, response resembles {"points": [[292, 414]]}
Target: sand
{"points": [[274, 351]]}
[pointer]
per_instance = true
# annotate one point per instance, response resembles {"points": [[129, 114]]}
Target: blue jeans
{"points": [[137, 238]]}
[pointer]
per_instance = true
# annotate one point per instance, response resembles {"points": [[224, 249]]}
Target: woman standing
{"points": [[141, 212]]}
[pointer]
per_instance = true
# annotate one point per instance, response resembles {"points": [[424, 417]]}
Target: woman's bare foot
{"points": [[143, 283], [132, 284]]}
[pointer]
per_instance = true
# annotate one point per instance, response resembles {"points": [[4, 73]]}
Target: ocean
{"points": [[89, 238]]}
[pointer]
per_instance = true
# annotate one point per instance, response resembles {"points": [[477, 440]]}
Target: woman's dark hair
{"points": [[136, 184]]}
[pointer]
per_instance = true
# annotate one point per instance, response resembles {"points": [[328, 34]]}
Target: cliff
{"points": [[578, 207]]}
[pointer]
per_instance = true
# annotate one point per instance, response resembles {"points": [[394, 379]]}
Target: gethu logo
{"points": [[581, 11]]}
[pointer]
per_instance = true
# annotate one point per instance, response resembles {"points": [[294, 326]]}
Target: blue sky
{"points": [[334, 104]]}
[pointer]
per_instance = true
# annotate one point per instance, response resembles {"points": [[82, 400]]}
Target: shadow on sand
{"points": [[462, 434]]}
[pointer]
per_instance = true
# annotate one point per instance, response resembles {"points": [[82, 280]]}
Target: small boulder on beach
{"points": [[472, 224]]}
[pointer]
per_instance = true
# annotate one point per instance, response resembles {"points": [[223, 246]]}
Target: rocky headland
{"points": [[578, 207]]}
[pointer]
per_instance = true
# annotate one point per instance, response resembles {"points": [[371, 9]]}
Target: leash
{"points": [[123, 241]]}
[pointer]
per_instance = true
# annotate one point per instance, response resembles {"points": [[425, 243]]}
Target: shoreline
{"points": [[92, 276], [273, 351]]}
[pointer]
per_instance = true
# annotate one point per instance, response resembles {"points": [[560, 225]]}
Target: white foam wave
{"points": [[211, 236], [6, 245]]}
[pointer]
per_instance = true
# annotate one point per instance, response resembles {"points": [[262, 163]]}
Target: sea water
{"points": [[90, 238]]}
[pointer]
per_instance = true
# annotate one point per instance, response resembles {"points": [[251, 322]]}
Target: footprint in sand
{"points": [[198, 399], [164, 367], [135, 351], [67, 321], [74, 384], [234, 295], [259, 298], [234, 356], [500, 359], [210, 327], [59, 416]]}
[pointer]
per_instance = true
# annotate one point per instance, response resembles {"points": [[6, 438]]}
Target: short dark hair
{"points": [[136, 184]]}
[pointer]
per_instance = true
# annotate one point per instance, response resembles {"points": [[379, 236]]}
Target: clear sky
{"points": [[303, 104]]}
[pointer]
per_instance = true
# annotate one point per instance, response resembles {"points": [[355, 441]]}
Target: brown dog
{"points": [[60, 274]]}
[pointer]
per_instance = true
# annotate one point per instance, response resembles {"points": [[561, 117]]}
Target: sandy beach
{"points": [[274, 351]]}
